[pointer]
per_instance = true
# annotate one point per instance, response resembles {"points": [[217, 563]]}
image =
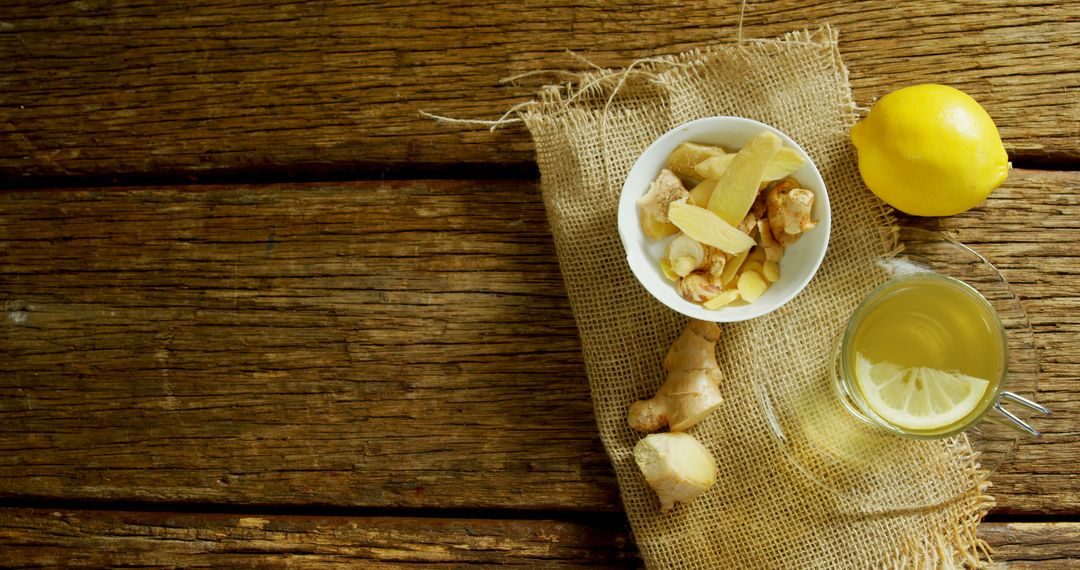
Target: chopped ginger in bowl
{"points": [[724, 219]]}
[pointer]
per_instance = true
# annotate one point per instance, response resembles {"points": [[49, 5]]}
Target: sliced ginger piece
{"points": [[731, 269], [669, 273], [699, 195], [748, 225], [751, 286], [786, 161], [752, 265], [726, 297], [656, 229], [686, 156], [714, 167], [771, 271], [708, 228], [737, 187], [773, 249]]}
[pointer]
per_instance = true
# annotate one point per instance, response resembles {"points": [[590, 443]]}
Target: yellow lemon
{"points": [[930, 150]]}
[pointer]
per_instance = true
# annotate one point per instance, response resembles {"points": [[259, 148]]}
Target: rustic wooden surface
{"points": [[94, 539], [250, 344], [143, 87], [383, 373]]}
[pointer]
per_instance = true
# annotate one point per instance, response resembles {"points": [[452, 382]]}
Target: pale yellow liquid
{"points": [[932, 321]]}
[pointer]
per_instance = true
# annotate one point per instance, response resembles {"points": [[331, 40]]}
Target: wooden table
{"points": [[258, 311]]}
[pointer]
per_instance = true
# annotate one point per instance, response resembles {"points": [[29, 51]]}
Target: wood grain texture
{"points": [[374, 344], [73, 538], [1033, 546], [96, 539], [95, 88], [403, 345]]}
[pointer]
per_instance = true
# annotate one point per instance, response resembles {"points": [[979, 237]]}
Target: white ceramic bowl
{"points": [[800, 262]]}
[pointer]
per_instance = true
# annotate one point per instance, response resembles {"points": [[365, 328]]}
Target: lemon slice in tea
{"points": [[918, 398]]}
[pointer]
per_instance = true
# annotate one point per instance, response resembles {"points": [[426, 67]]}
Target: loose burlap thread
{"points": [[776, 504]]}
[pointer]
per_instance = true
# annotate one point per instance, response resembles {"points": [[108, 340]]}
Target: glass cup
{"points": [[937, 317], [830, 438]]}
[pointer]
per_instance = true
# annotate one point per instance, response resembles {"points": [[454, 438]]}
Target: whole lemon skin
{"points": [[930, 150]]}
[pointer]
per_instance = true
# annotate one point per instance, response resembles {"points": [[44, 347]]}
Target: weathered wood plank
{"points": [[1033, 546], [95, 539], [361, 344], [34, 537], [140, 87], [373, 344]]}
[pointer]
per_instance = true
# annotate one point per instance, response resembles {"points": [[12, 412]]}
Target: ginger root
{"points": [[697, 287], [690, 392], [676, 466], [773, 249], [789, 211], [684, 255], [667, 188], [714, 263]]}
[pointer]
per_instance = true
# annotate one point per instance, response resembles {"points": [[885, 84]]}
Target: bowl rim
{"points": [[630, 233]]}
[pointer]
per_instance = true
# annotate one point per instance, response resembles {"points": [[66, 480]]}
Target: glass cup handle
{"points": [[1010, 420]]}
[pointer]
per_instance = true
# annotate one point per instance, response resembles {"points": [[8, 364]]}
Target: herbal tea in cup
{"points": [[939, 357], [924, 355]]}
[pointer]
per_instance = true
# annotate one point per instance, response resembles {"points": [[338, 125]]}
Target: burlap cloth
{"points": [[776, 505]]}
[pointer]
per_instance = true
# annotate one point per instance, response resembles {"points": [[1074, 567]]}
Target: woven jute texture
{"points": [[831, 496]]}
